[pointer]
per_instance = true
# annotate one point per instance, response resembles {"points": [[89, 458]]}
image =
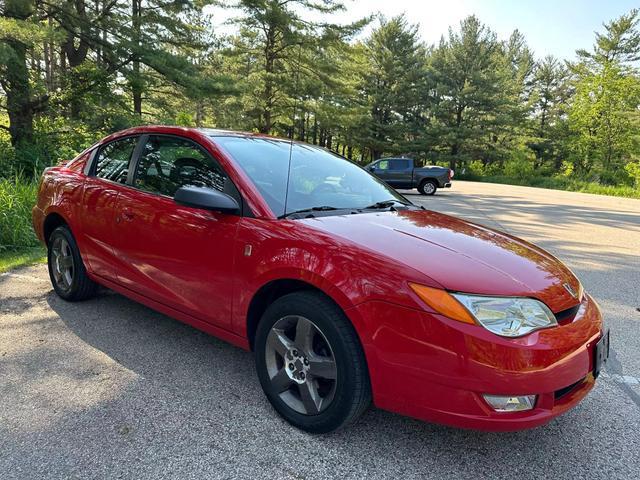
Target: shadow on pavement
{"points": [[189, 395]]}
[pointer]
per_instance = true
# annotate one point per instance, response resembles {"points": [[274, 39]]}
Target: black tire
{"points": [[428, 187], [80, 286], [351, 388]]}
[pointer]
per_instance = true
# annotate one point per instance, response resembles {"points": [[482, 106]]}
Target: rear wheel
{"points": [[66, 269], [428, 187], [310, 363]]}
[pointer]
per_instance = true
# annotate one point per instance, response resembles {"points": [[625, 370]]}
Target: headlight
{"points": [[508, 316]]}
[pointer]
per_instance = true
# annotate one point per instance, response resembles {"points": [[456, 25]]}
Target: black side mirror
{"points": [[371, 168], [206, 199]]}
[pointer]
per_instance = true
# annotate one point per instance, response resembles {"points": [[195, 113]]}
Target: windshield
{"points": [[319, 179]]}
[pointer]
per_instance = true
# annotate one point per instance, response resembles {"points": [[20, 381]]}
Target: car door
{"points": [[399, 172], [106, 178], [177, 255], [381, 170]]}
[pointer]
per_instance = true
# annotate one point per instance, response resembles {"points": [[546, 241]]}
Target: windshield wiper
{"points": [[385, 204], [322, 208]]}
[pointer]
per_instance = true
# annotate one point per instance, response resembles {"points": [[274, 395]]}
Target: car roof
{"points": [[211, 133]]}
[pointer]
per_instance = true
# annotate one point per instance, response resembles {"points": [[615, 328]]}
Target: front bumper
{"points": [[436, 369]]}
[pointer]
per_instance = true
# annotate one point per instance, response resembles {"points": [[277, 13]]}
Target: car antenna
{"points": [[293, 125]]}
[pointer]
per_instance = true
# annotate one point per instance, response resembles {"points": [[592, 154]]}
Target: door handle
{"points": [[127, 214]]}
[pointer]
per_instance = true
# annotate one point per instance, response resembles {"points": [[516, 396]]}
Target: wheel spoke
{"points": [[66, 261], [278, 341], [310, 397], [57, 274], [281, 381], [323, 367], [304, 335]]}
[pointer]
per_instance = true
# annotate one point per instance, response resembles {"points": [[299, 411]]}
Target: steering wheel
{"points": [[324, 188]]}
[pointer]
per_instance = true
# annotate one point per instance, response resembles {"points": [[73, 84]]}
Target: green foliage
{"points": [[520, 164], [17, 198], [633, 169], [395, 84], [560, 183]]}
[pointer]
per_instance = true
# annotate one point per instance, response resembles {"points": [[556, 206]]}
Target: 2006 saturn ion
{"points": [[346, 291]]}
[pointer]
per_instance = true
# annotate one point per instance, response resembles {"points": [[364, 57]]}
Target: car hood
{"points": [[458, 255]]}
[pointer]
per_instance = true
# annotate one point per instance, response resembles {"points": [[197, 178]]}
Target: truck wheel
{"points": [[428, 187]]}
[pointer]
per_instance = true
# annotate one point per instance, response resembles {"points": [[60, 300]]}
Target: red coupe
{"points": [[346, 291]]}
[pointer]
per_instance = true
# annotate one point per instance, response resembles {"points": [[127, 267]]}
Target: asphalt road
{"points": [[110, 389]]}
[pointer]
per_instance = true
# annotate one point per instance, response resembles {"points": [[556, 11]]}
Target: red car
{"points": [[345, 290]]}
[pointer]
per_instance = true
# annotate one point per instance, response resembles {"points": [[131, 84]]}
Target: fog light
{"points": [[502, 403]]}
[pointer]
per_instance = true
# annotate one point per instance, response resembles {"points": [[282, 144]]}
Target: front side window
{"points": [[168, 163], [383, 165], [113, 159], [318, 178]]}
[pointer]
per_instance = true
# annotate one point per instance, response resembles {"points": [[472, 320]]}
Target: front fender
{"points": [[268, 250]]}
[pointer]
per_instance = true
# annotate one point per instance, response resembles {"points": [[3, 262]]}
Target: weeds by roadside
{"points": [[557, 183], [18, 242]]}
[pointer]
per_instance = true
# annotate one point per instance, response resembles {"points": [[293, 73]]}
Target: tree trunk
{"points": [[136, 84], [18, 93], [199, 113], [315, 130], [269, 64], [16, 81], [76, 56]]}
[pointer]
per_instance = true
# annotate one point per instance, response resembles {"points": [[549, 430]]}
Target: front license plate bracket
{"points": [[600, 354]]}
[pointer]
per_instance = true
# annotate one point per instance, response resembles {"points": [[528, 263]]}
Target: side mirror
{"points": [[371, 168], [206, 199]]}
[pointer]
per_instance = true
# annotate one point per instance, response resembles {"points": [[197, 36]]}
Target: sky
{"points": [[551, 27]]}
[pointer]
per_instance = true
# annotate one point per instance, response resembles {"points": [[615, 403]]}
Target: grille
{"points": [[566, 316], [558, 394]]}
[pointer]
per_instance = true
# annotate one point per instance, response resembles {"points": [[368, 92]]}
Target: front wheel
{"points": [[428, 187], [310, 363]]}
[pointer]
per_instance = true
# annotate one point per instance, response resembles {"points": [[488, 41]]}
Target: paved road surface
{"points": [[110, 389]]}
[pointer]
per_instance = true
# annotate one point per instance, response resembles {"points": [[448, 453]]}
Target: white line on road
{"points": [[628, 379]]}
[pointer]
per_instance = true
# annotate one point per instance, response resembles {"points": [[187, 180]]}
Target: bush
{"points": [[520, 165], [17, 197], [54, 140], [560, 183], [633, 170], [479, 168]]}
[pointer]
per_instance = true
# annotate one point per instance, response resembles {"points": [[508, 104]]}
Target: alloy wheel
{"points": [[429, 188], [62, 262], [301, 365]]}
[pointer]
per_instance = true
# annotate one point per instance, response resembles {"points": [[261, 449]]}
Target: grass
{"points": [[18, 242], [10, 259], [558, 183]]}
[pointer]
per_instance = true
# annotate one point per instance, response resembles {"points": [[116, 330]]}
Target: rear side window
{"points": [[168, 163], [398, 164], [113, 159]]}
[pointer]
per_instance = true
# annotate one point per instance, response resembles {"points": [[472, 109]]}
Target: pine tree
{"points": [[395, 85], [472, 93], [276, 48]]}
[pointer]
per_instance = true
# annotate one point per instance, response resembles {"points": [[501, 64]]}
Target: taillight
{"points": [[451, 172]]}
